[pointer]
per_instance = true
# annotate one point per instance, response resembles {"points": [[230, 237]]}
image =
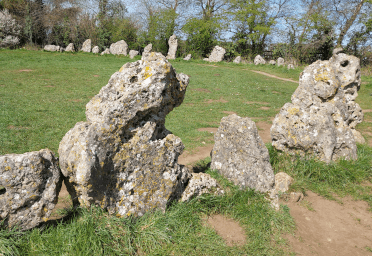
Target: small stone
{"points": [[106, 51], [70, 48], [290, 66], [296, 196], [119, 48], [173, 43], [148, 48], [282, 182], [95, 49], [280, 61], [52, 48], [217, 54], [201, 183], [272, 62], [237, 60], [132, 54], [259, 60], [87, 46], [188, 57]]}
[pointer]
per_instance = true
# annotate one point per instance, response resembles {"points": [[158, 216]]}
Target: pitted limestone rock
{"points": [[240, 154], [123, 158], [282, 182], [280, 61], [95, 49], [52, 48], [148, 48], [87, 46], [119, 48], [323, 112], [31, 183], [272, 62], [133, 53], [216, 55], [259, 60], [70, 48], [237, 60], [201, 183], [173, 43], [106, 51]]}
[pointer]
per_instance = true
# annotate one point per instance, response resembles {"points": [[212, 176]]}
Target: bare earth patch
{"points": [[273, 76], [275, 92], [265, 108], [367, 110], [216, 74], [12, 127], [25, 70], [228, 229], [76, 100], [264, 131], [221, 100], [201, 90], [208, 129], [229, 112], [64, 201], [332, 228], [96, 75], [257, 102], [201, 152]]}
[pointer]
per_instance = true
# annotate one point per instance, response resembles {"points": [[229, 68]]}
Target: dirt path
{"points": [[273, 76], [331, 228]]}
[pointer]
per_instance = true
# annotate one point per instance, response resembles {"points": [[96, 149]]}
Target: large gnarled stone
{"points": [[87, 46], [173, 43], [259, 60], [217, 54], [119, 48], [323, 112], [31, 184], [240, 154], [123, 158]]}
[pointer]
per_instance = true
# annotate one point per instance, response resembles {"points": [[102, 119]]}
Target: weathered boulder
{"points": [[133, 53], [217, 54], [87, 46], [280, 61], [272, 62], [240, 154], [123, 158], [173, 43], [290, 66], [70, 48], [237, 60], [323, 112], [52, 48], [95, 49], [119, 48], [188, 57], [201, 183], [282, 182], [147, 49], [259, 60], [106, 51], [31, 184]]}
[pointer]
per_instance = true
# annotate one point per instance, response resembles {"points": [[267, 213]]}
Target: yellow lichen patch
{"points": [[121, 69], [293, 111], [147, 73]]}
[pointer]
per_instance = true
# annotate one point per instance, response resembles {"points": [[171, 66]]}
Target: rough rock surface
{"points": [[323, 112], [123, 158], [188, 57], [95, 49], [70, 48], [31, 184], [280, 61], [240, 154], [237, 60], [52, 48], [106, 51], [87, 46], [133, 53], [259, 60], [119, 48], [173, 43], [148, 48], [272, 62], [216, 55], [201, 183], [290, 66], [282, 182]]}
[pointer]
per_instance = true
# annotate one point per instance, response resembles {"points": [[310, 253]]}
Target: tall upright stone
{"points": [[123, 158], [323, 114], [133, 53], [119, 48], [87, 46], [95, 49], [148, 48], [216, 55], [70, 48], [173, 43], [280, 61]]}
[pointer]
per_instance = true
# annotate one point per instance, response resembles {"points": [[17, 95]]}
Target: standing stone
{"points": [[95, 49], [70, 48], [259, 60], [280, 61], [290, 66], [323, 112], [119, 48], [87, 46], [132, 54], [188, 57], [106, 51], [240, 154], [217, 54], [201, 183], [237, 60], [123, 158], [148, 48], [31, 184], [272, 62], [52, 48], [173, 43]]}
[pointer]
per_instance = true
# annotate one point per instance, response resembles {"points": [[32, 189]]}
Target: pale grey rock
{"points": [[237, 60], [290, 66], [87, 46], [323, 112], [31, 184], [52, 48], [188, 57], [272, 62], [148, 48], [106, 51], [133, 53], [201, 183], [259, 60], [358, 137], [280, 62], [123, 158], [282, 182], [95, 49], [10, 30], [173, 44], [216, 55], [240, 154], [70, 48], [119, 48], [296, 196]]}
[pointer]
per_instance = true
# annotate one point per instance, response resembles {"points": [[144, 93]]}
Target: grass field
{"points": [[43, 95]]}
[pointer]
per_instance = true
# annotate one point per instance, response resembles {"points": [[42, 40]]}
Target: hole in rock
{"points": [[2, 190], [133, 79], [344, 63]]}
